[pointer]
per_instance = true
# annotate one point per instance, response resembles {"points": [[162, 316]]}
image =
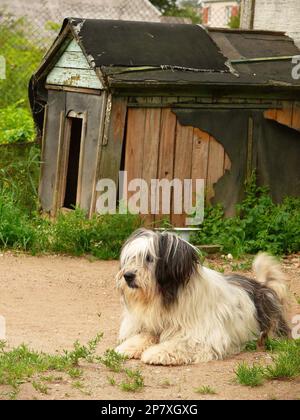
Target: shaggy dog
{"points": [[178, 312]]}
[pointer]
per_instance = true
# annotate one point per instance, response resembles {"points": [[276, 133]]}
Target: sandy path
{"points": [[49, 302]]}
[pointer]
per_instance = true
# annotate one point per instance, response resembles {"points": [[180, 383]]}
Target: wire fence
{"points": [[224, 14]]}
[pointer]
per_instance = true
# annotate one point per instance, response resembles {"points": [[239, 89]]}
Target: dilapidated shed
{"points": [[166, 101]]}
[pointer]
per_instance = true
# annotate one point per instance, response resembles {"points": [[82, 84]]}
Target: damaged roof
{"points": [[147, 53], [136, 44]]}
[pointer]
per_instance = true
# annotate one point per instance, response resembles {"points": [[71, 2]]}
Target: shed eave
{"points": [[58, 47]]}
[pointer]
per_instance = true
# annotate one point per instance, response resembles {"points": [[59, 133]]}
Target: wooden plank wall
{"points": [[158, 146], [288, 115], [73, 69], [51, 137]]}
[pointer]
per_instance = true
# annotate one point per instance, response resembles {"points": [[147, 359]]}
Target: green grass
{"points": [[113, 360], [250, 375], [251, 346], [134, 381], [205, 390], [285, 363], [111, 380], [241, 266], [102, 236], [78, 385], [42, 388], [21, 364]]}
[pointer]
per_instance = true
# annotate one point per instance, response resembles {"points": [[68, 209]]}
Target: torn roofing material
{"points": [[131, 44]]}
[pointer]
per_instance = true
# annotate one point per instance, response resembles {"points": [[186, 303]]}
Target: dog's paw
{"points": [[157, 355], [128, 351]]}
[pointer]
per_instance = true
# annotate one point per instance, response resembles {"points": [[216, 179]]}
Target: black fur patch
{"points": [[177, 262], [268, 307]]}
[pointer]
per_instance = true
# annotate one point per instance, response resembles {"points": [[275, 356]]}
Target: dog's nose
{"points": [[129, 276]]}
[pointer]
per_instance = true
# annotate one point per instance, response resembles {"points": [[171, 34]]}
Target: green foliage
{"points": [[72, 233], [259, 225], [19, 173], [113, 360], [16, 124], [22, 56], [186, 12], [20, 364], [16, 230], [134, 381], [285, 363], [234, 22], [250, 375], [102, 236], [164, 5], [186, 9]]}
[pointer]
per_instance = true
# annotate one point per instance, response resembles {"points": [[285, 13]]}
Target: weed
{"points": [[111, 380], [21, 364], [286, 363], [251, 346], [113, 360], [134, 383], [250, 375], [205, 390], [38, 386], [258, 225], [166, 383], [78, 385]]}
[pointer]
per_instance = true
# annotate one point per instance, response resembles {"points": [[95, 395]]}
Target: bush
{"points": [[16, 124], [72, 233], [22, 59], [19, 173], [260, 225], [16, 230], [102, 236]]}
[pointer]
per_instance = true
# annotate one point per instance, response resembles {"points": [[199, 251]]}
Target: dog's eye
{"points": [[149, 259]]}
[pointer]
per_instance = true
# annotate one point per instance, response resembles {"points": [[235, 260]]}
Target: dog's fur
{"points": [[178, 312]]}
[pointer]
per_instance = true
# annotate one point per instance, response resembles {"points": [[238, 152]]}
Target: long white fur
{"points": [[211, 319]]}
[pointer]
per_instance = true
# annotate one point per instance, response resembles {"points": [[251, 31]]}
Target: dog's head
{"points": [[155, 265]]}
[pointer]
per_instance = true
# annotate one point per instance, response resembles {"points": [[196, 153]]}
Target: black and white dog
{"points": [[178, 312]]}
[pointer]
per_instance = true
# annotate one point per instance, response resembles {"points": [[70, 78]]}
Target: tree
{"points": [[165, 5], [185, 8]]}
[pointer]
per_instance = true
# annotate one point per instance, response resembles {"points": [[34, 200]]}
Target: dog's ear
{"points": [[177, 262]]}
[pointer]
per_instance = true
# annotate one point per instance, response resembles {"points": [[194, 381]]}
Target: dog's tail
{"points": [[268, 273]]}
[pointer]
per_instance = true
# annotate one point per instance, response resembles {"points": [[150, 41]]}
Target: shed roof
{"points": [[144, 53], [135, 44]]}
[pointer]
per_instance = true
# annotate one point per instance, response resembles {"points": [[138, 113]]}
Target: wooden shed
{"points": [[166, 101]]}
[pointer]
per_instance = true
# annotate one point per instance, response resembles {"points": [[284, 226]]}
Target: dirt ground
{"points": [[51, 301]]}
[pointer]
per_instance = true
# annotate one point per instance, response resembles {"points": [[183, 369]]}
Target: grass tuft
{"points": [[250, 375], [113, 360], [205, 390], [134, 383]]}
